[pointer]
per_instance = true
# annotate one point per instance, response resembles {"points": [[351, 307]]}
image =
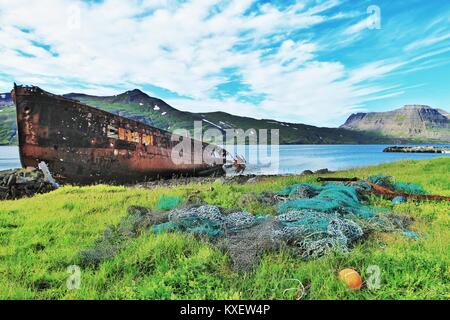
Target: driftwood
{"points": [[392, 194], [19, 183], [387, 193], [337, 179], [418, 149]]}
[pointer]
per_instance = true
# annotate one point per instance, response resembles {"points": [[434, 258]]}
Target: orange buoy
{"points": [[351, 278]]}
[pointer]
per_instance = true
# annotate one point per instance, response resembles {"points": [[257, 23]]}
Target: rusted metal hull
{"points": [[84, 145]]}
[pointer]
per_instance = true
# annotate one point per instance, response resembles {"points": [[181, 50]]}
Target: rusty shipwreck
{"points": [[82, 145]]}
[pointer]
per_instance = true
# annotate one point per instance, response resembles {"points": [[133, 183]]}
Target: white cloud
{"points": [[358, 27], [184, 48], [427, 42]]}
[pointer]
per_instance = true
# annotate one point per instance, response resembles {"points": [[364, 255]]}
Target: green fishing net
{"points": [[330, 198], [311, 220], [166, 203], [389, 183]]}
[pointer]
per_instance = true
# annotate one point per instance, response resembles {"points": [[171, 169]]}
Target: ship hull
{"points": [[84, 145]]}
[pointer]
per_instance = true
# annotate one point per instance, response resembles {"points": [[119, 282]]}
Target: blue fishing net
{"points": [[330, 198], [208, 220], [410, 188], [166, 203], [310, 219], [390, 183]]}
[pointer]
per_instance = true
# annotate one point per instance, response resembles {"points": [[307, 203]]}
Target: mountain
{"points": [[5, 100], [445, 113], [8, 125], [139, 106], [415, 122]]}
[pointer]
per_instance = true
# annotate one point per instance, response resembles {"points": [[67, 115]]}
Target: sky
{"points": [[308, 61]]}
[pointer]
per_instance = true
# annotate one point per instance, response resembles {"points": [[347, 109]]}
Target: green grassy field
{"points": [[40, 237]]}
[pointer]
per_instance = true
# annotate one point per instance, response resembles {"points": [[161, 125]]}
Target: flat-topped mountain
{"points": [[416, 122]]}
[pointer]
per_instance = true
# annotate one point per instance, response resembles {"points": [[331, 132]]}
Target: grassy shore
{"points": [[40, 237]]}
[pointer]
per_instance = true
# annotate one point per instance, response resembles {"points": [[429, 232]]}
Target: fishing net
{"points": [[310, 220], [330, 198], [246, 246], [114, 237], [166, 203], [410, 188], [389, 183], [207, 220]]}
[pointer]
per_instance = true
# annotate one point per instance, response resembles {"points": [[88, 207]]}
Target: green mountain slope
{"points": [[295, 133], [139, 106]]}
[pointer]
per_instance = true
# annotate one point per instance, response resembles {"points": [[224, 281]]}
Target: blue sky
{"points": [[305, 61]]}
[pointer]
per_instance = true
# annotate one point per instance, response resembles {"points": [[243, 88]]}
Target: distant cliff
{"points": [[415, 122]]}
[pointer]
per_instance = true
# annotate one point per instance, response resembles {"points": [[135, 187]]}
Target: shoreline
{"points": [[244, 178], [32, 182], [293, 159], [404, 143]]}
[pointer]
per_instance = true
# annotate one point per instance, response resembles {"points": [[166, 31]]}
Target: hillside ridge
{"points": [[138, 105]]}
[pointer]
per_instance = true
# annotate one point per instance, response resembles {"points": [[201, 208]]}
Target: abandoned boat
{"points": [[82, 145]]}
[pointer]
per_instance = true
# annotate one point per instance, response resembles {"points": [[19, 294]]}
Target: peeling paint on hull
{"points": [[84, 145]]}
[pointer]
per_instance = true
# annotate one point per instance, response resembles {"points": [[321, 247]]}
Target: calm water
{"points": [[297, 158], [9, 158], [292, 158]]}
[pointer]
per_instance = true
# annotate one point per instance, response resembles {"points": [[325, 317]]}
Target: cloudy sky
{"points": [[310, 61]]}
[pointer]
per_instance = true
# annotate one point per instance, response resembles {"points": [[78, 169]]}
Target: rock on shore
{"points": [[19, 183], [419, 149]]}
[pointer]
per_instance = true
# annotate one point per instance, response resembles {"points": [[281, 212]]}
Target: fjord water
{"points": [[9, 157], [297, 158], [292, 158]]}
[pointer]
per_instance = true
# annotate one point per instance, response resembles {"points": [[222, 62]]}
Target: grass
{"points": [[40, 237]]}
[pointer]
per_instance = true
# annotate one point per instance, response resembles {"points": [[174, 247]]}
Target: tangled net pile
{"points": [[311, 220]]}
